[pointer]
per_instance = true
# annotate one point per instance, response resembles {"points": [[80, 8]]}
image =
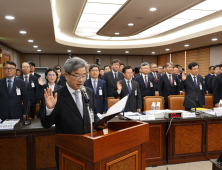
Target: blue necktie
{"points": [[195, 83], [129, 87], [9, 87], [95, 86]]}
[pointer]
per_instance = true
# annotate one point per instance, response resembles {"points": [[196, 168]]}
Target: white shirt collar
{"points": [[25, 75], [127, 81], [193, 75], [52, 87], [32, 73], [168, 74], [92, 80], [71, 91]]}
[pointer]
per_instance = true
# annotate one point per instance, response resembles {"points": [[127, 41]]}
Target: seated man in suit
{"points": [[32, 70], [128, 86], [99, 87], [217, 89], [168, 84], [12, 93], [68, 112], [155, 75], [211, 72], [32, 86], [146, 82], [194, 87], [112, 77], [217, 71]]}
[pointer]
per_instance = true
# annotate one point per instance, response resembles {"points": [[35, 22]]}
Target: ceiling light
{"points": [[152, 9], [9, 17], [69, 51], [116, 33], [186, 45], [108, 1], [214, 39], [167, 49], [23, 32], [94, 18], [39, 50], [91, 24], [98, 51], [130, 24], [153, 52], [120, 38], [126, 51], [35, 46], [209, 5], [193, 14], [30, 40]]}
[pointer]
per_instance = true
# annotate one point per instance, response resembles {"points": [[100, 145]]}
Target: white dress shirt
{"points": [[92, 80], [144, 77], [193, 76], [114, 74], [171, 76], [52, 87], [27, 77]]}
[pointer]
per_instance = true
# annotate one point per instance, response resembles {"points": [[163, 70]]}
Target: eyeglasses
{"points": [[94, 70], [25, 67], [9, 69], [129, 73], [77, 77], [51, 75]]}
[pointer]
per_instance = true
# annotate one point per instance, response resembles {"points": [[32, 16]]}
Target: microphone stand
{"points": [[90, 118], [26, 122], [193, 103]]}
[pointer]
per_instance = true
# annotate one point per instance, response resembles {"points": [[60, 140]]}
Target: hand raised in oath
{"points": [[50, 100]]}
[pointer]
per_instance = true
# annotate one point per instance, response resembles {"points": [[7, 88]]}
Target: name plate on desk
{"points": [[188, 115], [147, 117], [6, 126], [219, 114]]}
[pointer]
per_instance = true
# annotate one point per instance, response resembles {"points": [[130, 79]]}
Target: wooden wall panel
{"points": [[34, 58], [163, 59], [150, 59], [178, 58], [49, 60], [135, 61], [88, 58]]}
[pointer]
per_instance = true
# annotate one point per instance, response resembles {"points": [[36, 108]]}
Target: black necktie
{"points": [[115, 78], [9, 86]]}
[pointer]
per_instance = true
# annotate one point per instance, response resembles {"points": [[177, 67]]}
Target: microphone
{"points": [[192, 102], [85, 95], [26, 122]]}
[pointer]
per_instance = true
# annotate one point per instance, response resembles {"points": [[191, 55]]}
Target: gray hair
{"points": [[144, 64], [73, 64], [153, 64], [159, 66], [166, 65]]}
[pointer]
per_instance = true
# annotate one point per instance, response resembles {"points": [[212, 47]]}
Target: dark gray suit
{"points": [[134, 101], [156, 82], [191, 92], [217, 88]]}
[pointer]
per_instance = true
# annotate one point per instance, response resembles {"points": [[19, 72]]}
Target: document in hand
{"points": [[113, 111]]}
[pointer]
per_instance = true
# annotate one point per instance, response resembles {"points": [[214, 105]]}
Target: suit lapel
{"points": [[125, 86], [14, 86], [167, 79], [112, 77], [90, 84], [191, 81], [5, 86], [142, 82]]}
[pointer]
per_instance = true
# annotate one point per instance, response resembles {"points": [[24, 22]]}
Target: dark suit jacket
{"points": [[61, 82], [217, 88], [37, 75], [63, 78], [158, 78], [206, 79], [137, 75], [134, 101], [165, 88], [102, 77], [110, 82], [149, 91], [12, 104], [101, 103], [210, 84], [33, 93], [191, 92], [41, 97]]}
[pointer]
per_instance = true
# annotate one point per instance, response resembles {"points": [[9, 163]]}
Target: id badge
{"points": [[100, 92], [18, 91], [135, 92], [200, 86], [151, 84], [175, 83], [32, 84]]}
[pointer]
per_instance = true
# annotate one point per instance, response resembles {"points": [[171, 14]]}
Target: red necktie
{"points": [[170, 79], [155, 77]]}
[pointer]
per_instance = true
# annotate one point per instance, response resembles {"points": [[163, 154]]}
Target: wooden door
{"points": [[4, 56]]}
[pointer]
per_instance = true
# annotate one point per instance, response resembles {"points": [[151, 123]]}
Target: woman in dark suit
{"points": [[51, 76]]}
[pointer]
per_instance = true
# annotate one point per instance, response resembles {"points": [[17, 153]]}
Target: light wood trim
{"points": [[71, 159]]}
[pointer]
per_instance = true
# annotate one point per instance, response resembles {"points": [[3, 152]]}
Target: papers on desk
{"points": [[218, 111], [8, 124], [132, 115], [156, 113]]}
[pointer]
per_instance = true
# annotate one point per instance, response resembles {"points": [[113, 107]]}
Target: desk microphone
{"points": [[26, 122], [85, 95], [193, 103]]}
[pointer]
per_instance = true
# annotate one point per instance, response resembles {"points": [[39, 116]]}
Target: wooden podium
{"points": [[120, 147]]}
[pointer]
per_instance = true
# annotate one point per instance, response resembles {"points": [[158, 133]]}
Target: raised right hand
{"points": [[40, 81], [184, 76], [119, 86], [50, 101]]}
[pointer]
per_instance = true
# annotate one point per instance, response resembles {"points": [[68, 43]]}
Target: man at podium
{"points": [[67, 108]]}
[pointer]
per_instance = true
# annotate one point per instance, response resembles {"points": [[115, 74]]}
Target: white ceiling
{"points": [[35, 17]]}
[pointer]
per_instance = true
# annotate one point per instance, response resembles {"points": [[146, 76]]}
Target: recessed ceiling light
{"points": [[30, 40], [10, 17], [186, 45], [35, 46], [23, 32], [116, 33], [126, 51], [98, 51], [153, 52], [167, 49], [39, 50], [69, 51], [152, 9], [130, 24], [214, 39]]}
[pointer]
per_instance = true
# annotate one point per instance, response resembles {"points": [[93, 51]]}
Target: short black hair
{"points": [[211, 67], [101, 69], [51, 69], [93, 65], [107, 66], [122, 64], [115, 61], [18, 70], [193, 64], [216, 66], [32, 64], [125, 68], [9, 62], [183, 69], [57, 68], [176, 66]]}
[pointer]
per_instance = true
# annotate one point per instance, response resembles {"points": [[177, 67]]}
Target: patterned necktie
{"points": [[129, 87], [146, 82], [78, 103], [95, 86], [170, 79], [26, 81], [195, 83], [9, 87], [115, 77], [155, 77]]}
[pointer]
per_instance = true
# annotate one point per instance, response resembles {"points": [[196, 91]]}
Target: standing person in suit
{"points": [[87, 73], [50, 75], [160, 70], [99, 87], [12, 93], [176, 72], [107, 68], [32, 70], [211, 70], [121, 67], [128, 86], [217, 89], [58, 80], [18, 73], [180, 70], [140, 72], [68, 111], [194, 87], [168, 84], [217, 71], [61, 76], [112, 77], [32, 86], [146, 82], [101, 72], [155, 75]]}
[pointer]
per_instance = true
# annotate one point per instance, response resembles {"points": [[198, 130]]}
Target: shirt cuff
{"points": [[48, 111], [118, 91]]}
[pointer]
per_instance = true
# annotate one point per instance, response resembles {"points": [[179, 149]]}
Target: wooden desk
{"points": [[215, 165]]}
